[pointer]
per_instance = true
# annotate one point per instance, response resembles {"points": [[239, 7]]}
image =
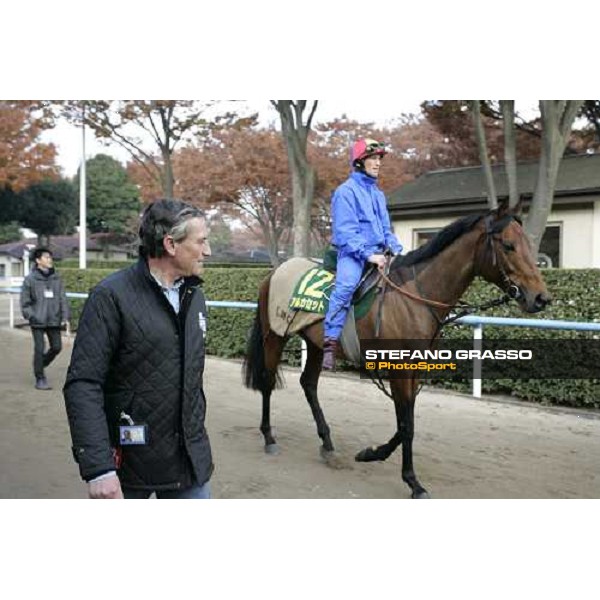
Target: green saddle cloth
{"points": [[313, 290]]}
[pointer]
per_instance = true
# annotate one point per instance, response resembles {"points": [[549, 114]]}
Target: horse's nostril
{"points": [[541, 301], [514, 291]]}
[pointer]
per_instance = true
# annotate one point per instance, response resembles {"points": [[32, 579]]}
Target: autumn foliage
{"points": [[24, 160], [244, 173]]}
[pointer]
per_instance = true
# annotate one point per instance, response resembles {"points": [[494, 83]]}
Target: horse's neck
{"points": [[447, 276]]}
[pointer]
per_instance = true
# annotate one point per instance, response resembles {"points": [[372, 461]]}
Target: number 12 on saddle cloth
{"points": [[312, 291]]}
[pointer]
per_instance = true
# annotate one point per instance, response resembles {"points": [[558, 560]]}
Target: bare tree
{"points": [[591, 111], [295, 132], [270, 211], [557, 117], [557, 121], [165, 123], [483, 154], [510, 150]]}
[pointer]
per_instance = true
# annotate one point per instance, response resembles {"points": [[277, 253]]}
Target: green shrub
{"points": [[83, 280], [576, 297], [73, 263], [238, 265]]}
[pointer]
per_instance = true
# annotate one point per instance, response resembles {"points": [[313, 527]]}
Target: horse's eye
{"points": [[508, 246]]}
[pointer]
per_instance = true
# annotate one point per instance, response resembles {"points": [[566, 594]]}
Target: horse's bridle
{"points": [[513, 291], [492, 228]]}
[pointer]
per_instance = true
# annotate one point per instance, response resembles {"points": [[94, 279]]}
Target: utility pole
{"points": [[82, 198]]}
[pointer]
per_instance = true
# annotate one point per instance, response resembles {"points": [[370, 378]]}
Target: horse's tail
{"points": [[256, 374]]}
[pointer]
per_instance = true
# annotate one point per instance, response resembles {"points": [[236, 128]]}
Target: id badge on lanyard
{"points": [[132, 434]]}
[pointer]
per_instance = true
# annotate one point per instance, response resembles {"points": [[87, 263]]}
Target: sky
{"points": [[68, 138]]}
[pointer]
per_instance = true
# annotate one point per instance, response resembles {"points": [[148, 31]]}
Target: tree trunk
{"points": [[168, 180], [303, 185], [273, 248], [510, 152], [557, 121], [295, 133], [483, 155], [271, 240]]}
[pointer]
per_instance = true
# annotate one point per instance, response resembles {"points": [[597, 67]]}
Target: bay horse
{"points": [[424, 287]]}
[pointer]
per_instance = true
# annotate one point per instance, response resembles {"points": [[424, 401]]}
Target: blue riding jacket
{"points": [[361, 224], [361, 227]]}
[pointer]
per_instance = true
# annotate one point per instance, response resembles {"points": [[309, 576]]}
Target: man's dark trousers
{"points": [[41, 360]]}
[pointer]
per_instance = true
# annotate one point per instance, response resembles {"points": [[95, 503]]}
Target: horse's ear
{"points": [[502, 207], [517, 210]]}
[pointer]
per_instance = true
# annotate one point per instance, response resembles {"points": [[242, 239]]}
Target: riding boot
{"points": [[329, 350]]}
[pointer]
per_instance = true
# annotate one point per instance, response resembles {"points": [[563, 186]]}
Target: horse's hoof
{"points": [[421, 495], [272, 449], [366, 455], [332, 460], [325, 454]]}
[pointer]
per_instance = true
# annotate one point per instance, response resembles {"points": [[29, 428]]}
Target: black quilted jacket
{"points": [[134, 354]]}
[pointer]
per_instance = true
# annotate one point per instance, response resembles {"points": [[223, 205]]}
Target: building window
{"points": [[550, 246], [2, 270], [422, 236]]}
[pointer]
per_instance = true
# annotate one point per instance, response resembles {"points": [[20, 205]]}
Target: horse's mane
{"points": [[436, 244]]}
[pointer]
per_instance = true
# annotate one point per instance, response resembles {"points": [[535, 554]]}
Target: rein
{"points": [[466, 308]]}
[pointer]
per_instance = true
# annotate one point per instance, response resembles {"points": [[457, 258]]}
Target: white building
{"points": [[572, 239]]}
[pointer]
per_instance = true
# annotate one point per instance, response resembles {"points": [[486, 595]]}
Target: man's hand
{"points": [[377, 259], [109, 488]]}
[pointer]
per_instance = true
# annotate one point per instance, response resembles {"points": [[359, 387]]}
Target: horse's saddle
{"points": [[313, 290], [299, 296]]}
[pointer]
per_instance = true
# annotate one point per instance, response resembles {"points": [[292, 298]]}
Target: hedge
{"points": [[73, 263], [113, 265], [576, 297]]}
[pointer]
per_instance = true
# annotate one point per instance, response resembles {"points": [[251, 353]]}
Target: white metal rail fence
{"points": [[477, 322]]}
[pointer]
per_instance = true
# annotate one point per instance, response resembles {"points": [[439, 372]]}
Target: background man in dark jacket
{"points": [[134, 392], [44, 304]]}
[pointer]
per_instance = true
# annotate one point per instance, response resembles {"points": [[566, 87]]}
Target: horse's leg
{"points": [[384, 451], [273, 349], [309, 381], [405, 415], [380, 453], [404, 393]]}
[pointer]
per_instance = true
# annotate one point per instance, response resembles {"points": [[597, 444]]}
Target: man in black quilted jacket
{"points": [[134, 391], [44, 304]]}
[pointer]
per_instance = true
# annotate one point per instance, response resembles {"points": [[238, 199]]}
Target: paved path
{"points": [[464, 448]]}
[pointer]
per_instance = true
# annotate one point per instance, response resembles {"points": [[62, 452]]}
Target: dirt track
{"points": [[464, 448]]}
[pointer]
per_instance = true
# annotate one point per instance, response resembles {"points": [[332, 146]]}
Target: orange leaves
{"points": [[23, 159]]}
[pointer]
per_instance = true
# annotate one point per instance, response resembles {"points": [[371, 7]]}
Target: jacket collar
{"points": [[41, 275], [142, 268], [363, 179]]}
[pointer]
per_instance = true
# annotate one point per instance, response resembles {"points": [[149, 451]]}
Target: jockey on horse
{"points": [[361, 233]]}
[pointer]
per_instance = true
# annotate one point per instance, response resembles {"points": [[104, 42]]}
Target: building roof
{"points": [[16, 249], [464, 189]]}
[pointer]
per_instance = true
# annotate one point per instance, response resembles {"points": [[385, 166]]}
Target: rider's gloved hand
{"points": [[377, 259]]}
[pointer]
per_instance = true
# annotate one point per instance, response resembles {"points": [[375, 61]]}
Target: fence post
{"points": [[304, 355], [11, 319], [477, 345]]}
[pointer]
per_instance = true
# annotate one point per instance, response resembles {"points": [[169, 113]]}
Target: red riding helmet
{"points": [[364, 148]]}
